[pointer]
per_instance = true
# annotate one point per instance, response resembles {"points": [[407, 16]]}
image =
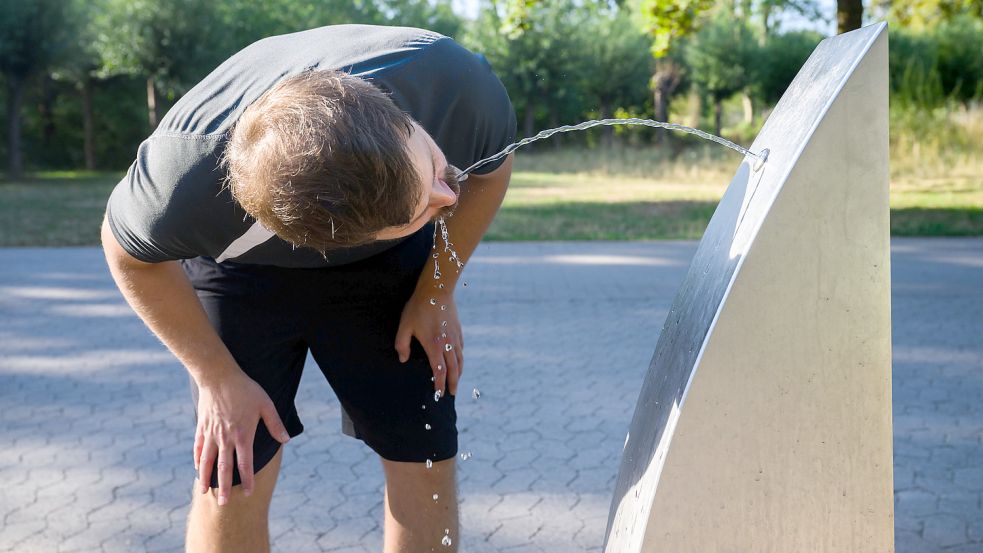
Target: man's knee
{"points": [[253, 508], [399, 473]]}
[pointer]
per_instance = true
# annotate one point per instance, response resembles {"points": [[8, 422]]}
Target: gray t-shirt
{"points": [[172, 203]]}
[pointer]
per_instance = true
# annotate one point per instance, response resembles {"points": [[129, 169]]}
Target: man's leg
{"points": [[242, 524], [414, 521]]}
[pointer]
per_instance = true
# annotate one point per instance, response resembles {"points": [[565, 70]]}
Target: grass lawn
{"points": [[54, 209], [549, 199]]}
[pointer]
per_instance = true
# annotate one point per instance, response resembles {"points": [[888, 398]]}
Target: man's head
{"points": [[326, 160]]}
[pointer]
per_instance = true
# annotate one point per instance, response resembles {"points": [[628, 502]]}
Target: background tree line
{"points": [[84, 81]]}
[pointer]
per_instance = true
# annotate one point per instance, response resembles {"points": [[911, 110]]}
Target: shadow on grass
{"points": [[918, 221], [684, 220]]}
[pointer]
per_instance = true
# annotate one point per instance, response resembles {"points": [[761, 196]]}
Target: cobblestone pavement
{"points": [[97, 425]]}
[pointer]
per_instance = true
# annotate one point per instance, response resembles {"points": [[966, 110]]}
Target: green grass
{"points": [[628, 194], [54, 209]]}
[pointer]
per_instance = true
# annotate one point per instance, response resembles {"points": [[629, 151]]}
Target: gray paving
{"points": [[96, 420]]}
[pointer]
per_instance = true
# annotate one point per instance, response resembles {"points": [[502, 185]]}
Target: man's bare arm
{"points": [[230, 404]]}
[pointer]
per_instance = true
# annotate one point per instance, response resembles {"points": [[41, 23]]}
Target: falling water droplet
{"points": [[429, 464], [465, 455], [435, 255], [443, 308], [444, 324], [427, 426], [440, 367], [465, 284], [446, 542], [436, 395], [448, 347], [433, 301], [424, 407], [475, 393], [435, 496], [443, 335], [441, 286]]}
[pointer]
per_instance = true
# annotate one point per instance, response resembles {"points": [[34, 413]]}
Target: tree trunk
{"points": [[529, 124], [88, 140], [748, 106], [152, 103], [45, 111], [664, 80], [695, 106], [718, 110], [15, 97], [765, 22], [849, 15]]}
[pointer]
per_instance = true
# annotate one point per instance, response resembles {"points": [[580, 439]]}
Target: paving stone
{"points": [[945, 530], [969, 478], [546, 435]]}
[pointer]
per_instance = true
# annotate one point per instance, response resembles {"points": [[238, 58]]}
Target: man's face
{"points": [[439, 185]]}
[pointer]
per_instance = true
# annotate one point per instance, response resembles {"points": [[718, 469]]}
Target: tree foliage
{"points": [[76, 73]]}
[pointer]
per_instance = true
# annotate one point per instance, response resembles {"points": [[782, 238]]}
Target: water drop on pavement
{"points": [[465, 455], [475, 393]]}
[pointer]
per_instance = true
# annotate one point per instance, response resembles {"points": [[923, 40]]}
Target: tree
{"points": [[79, 65], [720, 57], [538, 61], [170, 43], [437, 16], [617, 63], [667, 22], [31, 35], [926, 14]]}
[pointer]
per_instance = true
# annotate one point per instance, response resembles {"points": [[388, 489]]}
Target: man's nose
{"points": [[443, 196]]}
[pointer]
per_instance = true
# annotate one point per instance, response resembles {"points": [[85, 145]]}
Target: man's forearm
{"points": [[162, 296], [481, 196]]}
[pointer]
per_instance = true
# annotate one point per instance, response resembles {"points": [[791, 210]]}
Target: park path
{"points": [[97, 426]]}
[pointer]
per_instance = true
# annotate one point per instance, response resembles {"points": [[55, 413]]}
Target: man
{"points": [[286, 205]]}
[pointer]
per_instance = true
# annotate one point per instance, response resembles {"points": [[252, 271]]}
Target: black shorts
{"points": [[347, 316]]}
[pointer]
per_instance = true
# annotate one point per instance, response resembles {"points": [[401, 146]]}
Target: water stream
{"points": [[760, 158]]}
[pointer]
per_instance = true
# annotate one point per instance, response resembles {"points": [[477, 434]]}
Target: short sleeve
{"points": [[171, 204], [457, 97]]}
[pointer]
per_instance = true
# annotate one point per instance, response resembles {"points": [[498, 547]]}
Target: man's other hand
{"points": [[431, 317], [228, 414]]}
